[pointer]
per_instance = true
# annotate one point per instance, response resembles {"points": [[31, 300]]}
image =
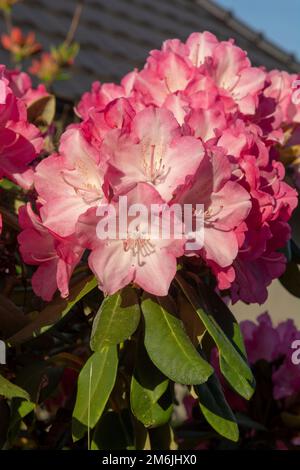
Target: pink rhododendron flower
{"points": [[69, 183], [21, 85], [280, 90], [226, 206], [118, 114], [101, 95], [153, 153], [20, 141], [55, 257], [140, 258]]}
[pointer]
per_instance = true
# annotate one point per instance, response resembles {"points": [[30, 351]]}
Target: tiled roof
{"points": [[116, 35]]}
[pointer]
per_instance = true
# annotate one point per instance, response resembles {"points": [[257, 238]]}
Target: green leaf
{"points": [[216, 409], [54, 311], [295, 252], [291, 279], [149, 401], [113, 431], [225, 331], [245, 421], [9, 390], [295, 226], [41, 112], [95, 383], [168, 345], [8, 185], [162, 438], [287, 250], [141, 436], [239, 383], [12, 318], [19, 410], [4, 423], [116, 320], [38, 373]]}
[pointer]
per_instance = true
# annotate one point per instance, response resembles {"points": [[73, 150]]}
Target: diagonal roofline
{"points": [[256, 38]]}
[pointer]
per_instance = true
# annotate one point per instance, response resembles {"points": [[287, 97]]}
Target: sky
{"points": [[278, 20]]}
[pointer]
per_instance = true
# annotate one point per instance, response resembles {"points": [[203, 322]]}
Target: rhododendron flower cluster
{"points": [[20, 141], [197, 125], [274, 345]]}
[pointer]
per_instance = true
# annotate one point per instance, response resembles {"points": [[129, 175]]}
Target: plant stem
{"points": [[8, 20], [74, 23]]}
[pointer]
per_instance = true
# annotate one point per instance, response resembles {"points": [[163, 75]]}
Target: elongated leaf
{"points": [[95, 383], [290, 420], [54, 311], [225, 331], [237, 381], [9, 390], [116, 320], [192, 323], [149, 402], [295, 252], [216, 409], [162, 438], [141, 436], [42, 111], [4, 422], [12, 318], [38, 373], [113, 431], [168, 345], [291, 279], [244, 421], [19, 409]]}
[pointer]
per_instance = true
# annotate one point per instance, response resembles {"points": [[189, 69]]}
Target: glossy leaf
{"points": [[54, 311], [141, 436], [245, 421], [216, 409], [236, 380], [19, 410], [95, 383], [149, 401], [113, 431], [42, 111], [39, 378], [12, 318], [162, 438], [9, 390], [225, 331], [116, 320], [168, 345], [192, 323], [291, 279], [4, 422], [295, 226]]}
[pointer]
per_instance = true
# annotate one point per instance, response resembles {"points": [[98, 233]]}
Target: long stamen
{"points": [[141, 248], [42, 260], [209, 212], [152, 161]]}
